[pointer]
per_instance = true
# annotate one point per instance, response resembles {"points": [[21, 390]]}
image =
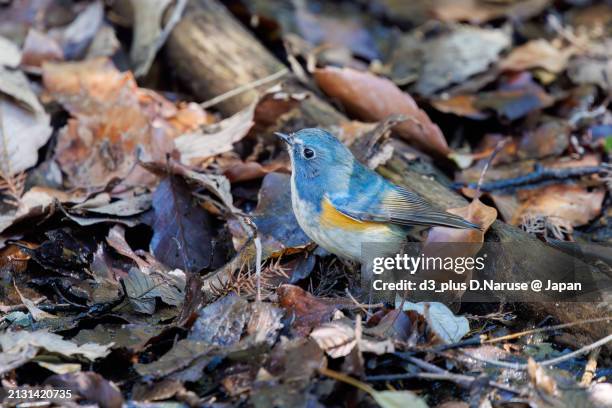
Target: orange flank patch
{"points": [[332, 218]]}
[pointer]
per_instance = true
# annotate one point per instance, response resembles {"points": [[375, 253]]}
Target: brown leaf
{"points": [[99, 144], [112, 119], [161, 390], [238, 170], [514, 99], [35, 202], [373, 98], [477, 11], [116, 239], [537, 54], [214, 139], [475, 212], [461, 105], [336, 338], [514, 103], [550, 138], [308, 310], [571, 203]]}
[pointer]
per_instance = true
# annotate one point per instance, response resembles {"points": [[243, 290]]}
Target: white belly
{"points": [[344, 243]]}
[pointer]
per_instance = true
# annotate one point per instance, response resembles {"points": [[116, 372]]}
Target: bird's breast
{"points": [[338, 233]]}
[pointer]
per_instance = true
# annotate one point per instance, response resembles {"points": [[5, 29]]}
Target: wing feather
{"points": [[402, 207]]}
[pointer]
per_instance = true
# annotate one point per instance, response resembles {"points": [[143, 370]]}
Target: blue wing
{"points": [[370, 197]]}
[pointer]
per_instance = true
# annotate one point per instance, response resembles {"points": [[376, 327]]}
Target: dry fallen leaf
{"points": [[99, 142], [34, 202], [339, 337], [23, 133], [587, 70], [373, 98], [537, 54], [112, 119], [19, 347], [214, 139], [38, 48], [477, 11], [550, 138], [454, 57], [308, 310], [91, 386], [475, 212], [182, 232], [237, 170], [9, 53], [434, 58], [443, 323], [336, 338], [461, 105], [571, 203]]}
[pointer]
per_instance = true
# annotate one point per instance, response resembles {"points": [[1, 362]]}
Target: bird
{"points": [[341, 204]]}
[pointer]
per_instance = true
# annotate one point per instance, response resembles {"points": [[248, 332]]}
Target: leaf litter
{"points": [[148, 248]]}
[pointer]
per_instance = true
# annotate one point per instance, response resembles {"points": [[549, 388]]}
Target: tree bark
{"points": [[213, 53]]}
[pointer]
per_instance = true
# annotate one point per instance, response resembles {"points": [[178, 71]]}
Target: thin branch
{"points": [[500, 145], [547, 328], [539, 174], [244, 88], [549, 362], [589, 368], [258, 265], [436, 373]]}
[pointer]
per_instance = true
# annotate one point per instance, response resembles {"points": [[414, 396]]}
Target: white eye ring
{"points": [[308, 153]]}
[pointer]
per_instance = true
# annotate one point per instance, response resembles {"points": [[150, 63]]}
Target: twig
{"points": [[346, 379], [258, 266], [362, 306], [244, 88], [436, 373], [20, 307], [500, 145], [550, 362], [589, 368], [539, 174], [547, 328]]}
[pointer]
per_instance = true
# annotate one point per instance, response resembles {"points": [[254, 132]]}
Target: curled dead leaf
{"points": [[537, 54], [475, 212], [308, 310], [373, 98], [572, 203]]}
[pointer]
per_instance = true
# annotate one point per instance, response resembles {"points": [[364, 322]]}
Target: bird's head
{"points": [[315, 152]]}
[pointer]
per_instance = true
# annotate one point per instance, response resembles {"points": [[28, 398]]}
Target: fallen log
{"points": [[213, 54]]}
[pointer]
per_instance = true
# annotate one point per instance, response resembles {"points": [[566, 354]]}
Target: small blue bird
{"points": [[340, 204]]}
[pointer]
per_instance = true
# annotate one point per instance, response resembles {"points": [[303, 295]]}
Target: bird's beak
{"points": [[285, 138]]}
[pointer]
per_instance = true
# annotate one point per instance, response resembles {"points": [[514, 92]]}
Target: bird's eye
{"points": [[308, 153]]}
